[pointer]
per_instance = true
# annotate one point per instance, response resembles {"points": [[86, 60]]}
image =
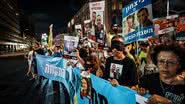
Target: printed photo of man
{"points": [[143, 18]]}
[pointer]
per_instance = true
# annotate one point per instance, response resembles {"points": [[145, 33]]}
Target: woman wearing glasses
{"points": [[170, 59]]}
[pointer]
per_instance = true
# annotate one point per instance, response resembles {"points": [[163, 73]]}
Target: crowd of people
{"points": [[158, 69]]}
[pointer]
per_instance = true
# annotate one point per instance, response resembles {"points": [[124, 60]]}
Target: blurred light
{"points": [[17, 14], [72, 21], [69, 25]]}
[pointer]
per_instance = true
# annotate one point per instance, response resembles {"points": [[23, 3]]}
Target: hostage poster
{"points": [[137, 20], [97, 22], [70, 44]]}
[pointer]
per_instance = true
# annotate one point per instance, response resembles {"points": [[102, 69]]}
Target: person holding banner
{"points": [[143, 18], [30, 63], [37, 50], [92, 65], [126, 72], [57, 52], [170, 61]]}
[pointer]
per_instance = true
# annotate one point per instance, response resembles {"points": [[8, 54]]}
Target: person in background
{"points": [[57, 52], [90, 62], [37, 50], [49, 53], [81, 54], [45, 48], [150, 67], [92, 65], [30, 63], [166, 39], [143, 55], [170, 61]]}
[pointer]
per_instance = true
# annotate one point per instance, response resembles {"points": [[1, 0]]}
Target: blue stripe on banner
{"points": [[52, 68], [134, 6], [62, 95], [49, 98], [102, 91]]}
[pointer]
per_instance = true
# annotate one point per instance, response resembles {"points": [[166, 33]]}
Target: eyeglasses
{"points": [[167, 62]]}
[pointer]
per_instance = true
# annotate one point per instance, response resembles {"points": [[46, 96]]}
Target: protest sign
{"points": [[137, 20], [97, 22], [70, 44]]}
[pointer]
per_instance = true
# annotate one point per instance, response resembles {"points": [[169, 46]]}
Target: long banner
{"points": [[137, 20], [102, 92]]}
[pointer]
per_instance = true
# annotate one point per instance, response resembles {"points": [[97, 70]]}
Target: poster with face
{"points": [[137, 20], [86, 85], [78, 30], [115, 70], [70, 44], [87, 29], [97, 21]]}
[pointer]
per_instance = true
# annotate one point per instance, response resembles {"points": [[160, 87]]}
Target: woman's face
{"points": [[84, 84], [130, 22], [168, 64]]}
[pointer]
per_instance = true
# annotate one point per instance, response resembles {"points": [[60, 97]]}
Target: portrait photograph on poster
{"points": [[137, 21], [86, 85], [70, 45]]}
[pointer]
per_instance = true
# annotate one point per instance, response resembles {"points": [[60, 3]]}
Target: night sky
{"points": [[46, 12]]}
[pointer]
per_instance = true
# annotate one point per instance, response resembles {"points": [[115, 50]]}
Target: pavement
{"points": [[15, 86]]}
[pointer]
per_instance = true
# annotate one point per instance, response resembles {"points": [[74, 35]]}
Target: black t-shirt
{"points": [[123, 70], [176, 93]]}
